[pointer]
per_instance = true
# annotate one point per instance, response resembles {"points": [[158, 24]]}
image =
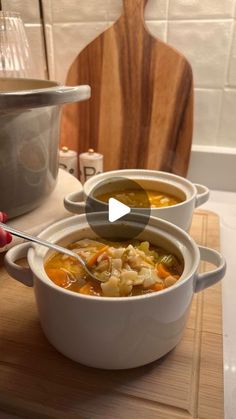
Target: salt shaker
{"points": [[68, 160], [90, 163]]}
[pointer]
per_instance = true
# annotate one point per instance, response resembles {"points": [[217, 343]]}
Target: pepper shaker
{"points": [[91, 163]]}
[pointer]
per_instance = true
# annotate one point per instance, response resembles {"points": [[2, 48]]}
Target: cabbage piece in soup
{"points": [[124, 268]]}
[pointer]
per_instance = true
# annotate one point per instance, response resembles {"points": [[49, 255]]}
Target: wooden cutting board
{"points": [[141, 109], [37, 382]]}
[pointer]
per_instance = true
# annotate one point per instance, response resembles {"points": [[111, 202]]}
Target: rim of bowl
{"points": [[46, 280], [189, 184], [25, 81]]}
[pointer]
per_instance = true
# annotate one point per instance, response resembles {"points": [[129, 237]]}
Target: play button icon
{"points": [[116, 210], [110, 208]]}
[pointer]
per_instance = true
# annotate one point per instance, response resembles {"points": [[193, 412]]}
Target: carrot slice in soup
{"points": [[162, 271], [158, 286], [94, 258], [58, 276]]}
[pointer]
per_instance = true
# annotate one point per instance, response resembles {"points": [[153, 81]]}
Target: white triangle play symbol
{"points": [[117, 210]]}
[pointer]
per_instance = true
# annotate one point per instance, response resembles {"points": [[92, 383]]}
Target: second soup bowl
{"points": [[191, 195]]}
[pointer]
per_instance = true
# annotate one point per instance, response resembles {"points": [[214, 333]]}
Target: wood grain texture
{"points": [[141, 109], [37, 382]]}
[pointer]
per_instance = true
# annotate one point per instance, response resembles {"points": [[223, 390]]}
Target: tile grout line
{"points": [[41, 15]]}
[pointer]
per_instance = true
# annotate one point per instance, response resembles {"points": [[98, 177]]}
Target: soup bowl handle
{"points": [[20, 273], [203, 194], [74, 202], [207, 279]]}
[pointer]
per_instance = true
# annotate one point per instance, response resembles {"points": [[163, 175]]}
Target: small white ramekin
{"points": [[121, 332], [180, 214]]}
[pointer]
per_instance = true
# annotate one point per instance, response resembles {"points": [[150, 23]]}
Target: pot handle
{"points": [[20, 273], [207, 279], [203, 194], [74, 202]]}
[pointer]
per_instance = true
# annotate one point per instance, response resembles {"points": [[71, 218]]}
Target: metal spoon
{"points": [[53, 246]]}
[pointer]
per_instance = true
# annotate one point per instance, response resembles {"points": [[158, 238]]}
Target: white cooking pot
{"points": [[29, 139], [192, 195], [118, 332]]}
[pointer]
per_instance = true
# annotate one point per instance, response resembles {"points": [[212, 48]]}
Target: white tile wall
{"points": [[157, 28], [227, 131], [65, 50], [203, 30], [207, 104], [29, 9], [78, 10], [206, 45], [155, 9], [232, 62], [200, 9]]}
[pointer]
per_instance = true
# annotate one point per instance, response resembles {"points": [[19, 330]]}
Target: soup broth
{"points": [[124, 268], [139, 199]]}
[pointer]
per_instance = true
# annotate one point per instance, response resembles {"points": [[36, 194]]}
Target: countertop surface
{"points": [[224, 204]]}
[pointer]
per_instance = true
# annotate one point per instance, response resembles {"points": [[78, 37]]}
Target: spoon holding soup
{"points": [[53, 246]]}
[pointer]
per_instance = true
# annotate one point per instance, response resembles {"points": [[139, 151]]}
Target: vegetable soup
{"points": [[138, 198], [124, 268]]}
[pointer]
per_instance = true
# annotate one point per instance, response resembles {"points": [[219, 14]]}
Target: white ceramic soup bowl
{"points": [[118, 332], [192, 195]]}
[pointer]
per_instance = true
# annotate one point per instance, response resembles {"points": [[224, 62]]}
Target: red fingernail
{"points": [[8, 237], [4, 217], [5, 238]]}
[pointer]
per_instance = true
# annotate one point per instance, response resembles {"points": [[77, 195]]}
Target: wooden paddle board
{"points": [[140, 112]]}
